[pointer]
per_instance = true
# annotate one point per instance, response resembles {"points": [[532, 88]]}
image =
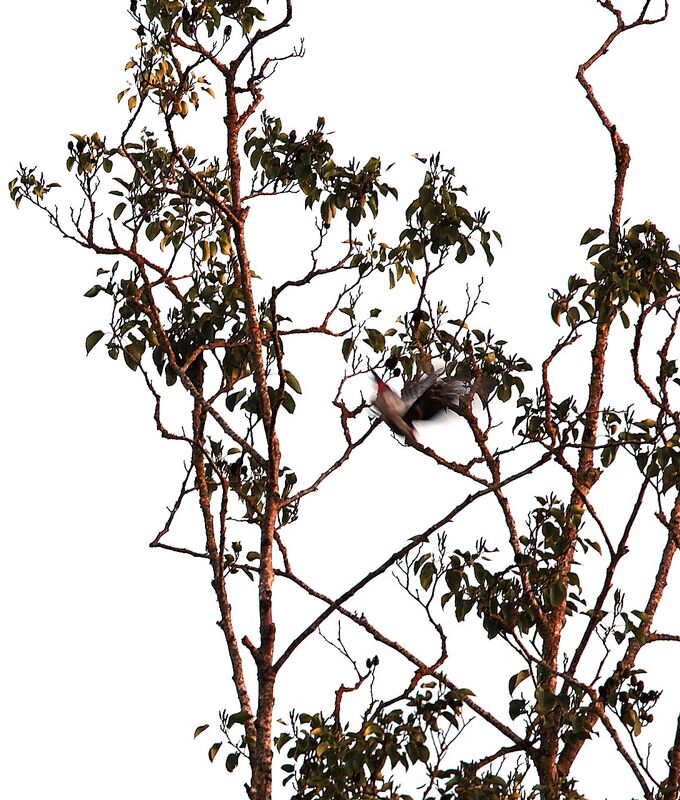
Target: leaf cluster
{"points": [[330, 761], [282, 161], [642, 268]]}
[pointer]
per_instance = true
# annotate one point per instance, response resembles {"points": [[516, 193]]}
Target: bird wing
{"points": [[431, 395], [444, 395], [413, 390]]}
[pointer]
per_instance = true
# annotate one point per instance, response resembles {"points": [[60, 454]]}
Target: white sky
{"points": [[111, 655]]}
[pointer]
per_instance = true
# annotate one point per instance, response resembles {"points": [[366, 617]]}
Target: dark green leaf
{"points": [[590, 235], [347, 346], [92, 340], [135, 350], [152, 230], [288, 403], [608, 455], [504, 393], [130, 361], [515, 680], [293, 382], [234, 398], [427, 574], [239, 718], [557, 593], [545, 701], [376, 339]]}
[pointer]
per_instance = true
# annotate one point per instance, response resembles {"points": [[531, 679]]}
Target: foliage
{"points": [[191, 317]]}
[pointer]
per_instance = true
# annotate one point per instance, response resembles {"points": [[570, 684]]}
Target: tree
{"points": [[192, 319]]}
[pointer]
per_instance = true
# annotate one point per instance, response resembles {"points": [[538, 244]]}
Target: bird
{"points": [[423, 399]]}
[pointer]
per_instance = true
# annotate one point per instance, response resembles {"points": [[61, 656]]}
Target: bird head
{"points": [[380, 385]]}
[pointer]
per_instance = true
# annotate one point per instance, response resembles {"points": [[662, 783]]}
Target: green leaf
{"points": [[130, 361], [515, 680], [92, 340], [594, 545], [214, 750], [200, 730], [504, 393], [670, 477], [288, 403], [590, 235], [376, 339], [234, 398], [170, 375], [608, 455], [557, 593], [594, 249], [347, 346], [281, 740], [371, 728], [118, 210], [516, 708], [134, 350], [293, 382], [545, 701], [239, 718], [232, 761], [427, 574], [556, 312], [152, 230], [354, 215]]}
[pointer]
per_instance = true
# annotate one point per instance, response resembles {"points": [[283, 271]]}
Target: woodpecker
{"points": [[421, 399]]}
